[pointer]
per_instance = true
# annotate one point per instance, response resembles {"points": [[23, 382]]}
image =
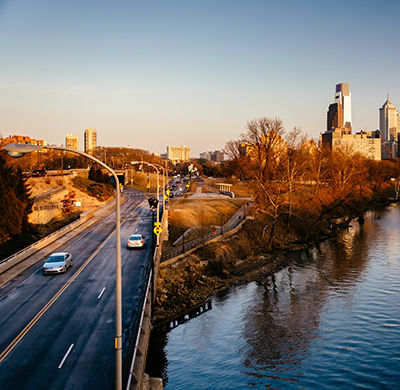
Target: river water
{"points": [[330, 320]]}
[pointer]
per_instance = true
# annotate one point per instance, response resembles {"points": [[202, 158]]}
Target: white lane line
{"points": [[66, 355], [102, 291]]}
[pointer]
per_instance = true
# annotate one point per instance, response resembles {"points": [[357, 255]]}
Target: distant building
{"points": [[216, 156], [90, 140], [71, 141], [339, 113], [21, 139], [178, 154], [389, 122], [205, 156], [368, 144]]}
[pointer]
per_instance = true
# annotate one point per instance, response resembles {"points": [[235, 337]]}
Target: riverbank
{"points": [[241, 258]]}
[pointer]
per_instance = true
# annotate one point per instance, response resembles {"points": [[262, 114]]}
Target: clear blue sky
{"points": [[154, 73]]}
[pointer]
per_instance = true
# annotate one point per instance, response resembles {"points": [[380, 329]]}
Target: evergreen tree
{"points": [[15, 202]]}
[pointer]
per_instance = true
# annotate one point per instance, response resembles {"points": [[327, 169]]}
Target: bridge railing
{"points": [[209, 235]]}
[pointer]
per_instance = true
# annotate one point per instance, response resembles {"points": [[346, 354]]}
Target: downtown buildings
{"points": [[389, 126], [339, 136]]}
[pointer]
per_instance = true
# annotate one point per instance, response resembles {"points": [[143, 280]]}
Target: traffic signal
{"points": [[153, 202]]}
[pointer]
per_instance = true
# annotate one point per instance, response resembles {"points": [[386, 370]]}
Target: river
{"points": [[329, 320]]}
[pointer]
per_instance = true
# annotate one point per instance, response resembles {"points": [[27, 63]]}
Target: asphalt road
{"points": [[57, 331]]}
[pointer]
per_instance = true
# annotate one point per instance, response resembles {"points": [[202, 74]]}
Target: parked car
{"points": [[57, 263], [136, 241]]}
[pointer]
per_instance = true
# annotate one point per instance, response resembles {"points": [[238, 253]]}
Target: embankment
{"points": [[241, 258]]}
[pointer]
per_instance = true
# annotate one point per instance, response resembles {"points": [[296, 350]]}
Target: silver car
{"points": [[57, 263], [136, 241]]}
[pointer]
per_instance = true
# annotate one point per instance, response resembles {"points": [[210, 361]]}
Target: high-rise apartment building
{"points": [[339, 113], [71, 141], [216, 156], [90, 140], [178, 153], [21, 139], [389, 122]]}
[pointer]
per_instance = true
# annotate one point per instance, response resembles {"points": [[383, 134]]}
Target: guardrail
{"points": [[209, 235], [48, 206], [143, 326], [48, 194]]}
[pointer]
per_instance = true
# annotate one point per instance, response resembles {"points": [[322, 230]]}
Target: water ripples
{"points": [[329, 321]]}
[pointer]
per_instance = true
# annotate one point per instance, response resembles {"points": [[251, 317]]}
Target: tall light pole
{"points": [[158, 193], [164, 178], [18, 150]]}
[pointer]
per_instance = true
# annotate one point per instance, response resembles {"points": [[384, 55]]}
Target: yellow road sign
{"points": [[157, 230], [157, 223], [165, 197]]}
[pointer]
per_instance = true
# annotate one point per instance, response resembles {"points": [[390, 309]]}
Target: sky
{"points": [[148, 74]]}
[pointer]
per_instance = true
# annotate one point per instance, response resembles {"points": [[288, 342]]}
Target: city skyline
{"points": [[152, 75]]}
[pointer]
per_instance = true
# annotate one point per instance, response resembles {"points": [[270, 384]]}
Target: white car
{"points": [[136, 241], [57, 263]]}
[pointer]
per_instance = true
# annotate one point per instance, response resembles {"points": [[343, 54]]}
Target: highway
{"points": [[57, 331]]}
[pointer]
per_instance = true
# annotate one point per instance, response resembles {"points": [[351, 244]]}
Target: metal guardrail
{"points": [[50, 206], [48, 194], [134, 378], [233, 223]]}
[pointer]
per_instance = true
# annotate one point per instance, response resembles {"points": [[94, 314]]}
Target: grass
{"points": [[101, 191], [189, 213], [140, 181]]}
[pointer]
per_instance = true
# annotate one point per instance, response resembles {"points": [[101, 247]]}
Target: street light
{"points": [[18, 150], [164, 176], [158, 193]]}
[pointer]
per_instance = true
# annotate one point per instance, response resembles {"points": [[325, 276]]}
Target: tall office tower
{"points": [[90, 140], [71, 141], [343, 98], [389, 121], [335, 117], [339, 113]]}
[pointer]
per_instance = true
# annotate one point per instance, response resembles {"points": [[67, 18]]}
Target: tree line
{"points": [[300, 187]]}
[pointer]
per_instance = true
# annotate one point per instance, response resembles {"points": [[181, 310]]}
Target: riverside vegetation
{"points": [[302, 194]]}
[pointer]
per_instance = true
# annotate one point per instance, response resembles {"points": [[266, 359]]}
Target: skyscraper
{"points": [[339, 113], [90, 140], [71, 141], [343, 97], [389, 121]]}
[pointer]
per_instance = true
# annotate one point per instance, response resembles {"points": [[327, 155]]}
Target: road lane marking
{"points": [[35, 319], [102, 291], [66, 355]]}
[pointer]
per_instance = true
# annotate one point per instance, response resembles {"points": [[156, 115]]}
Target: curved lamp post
{"points": [[164, 178], [18, 150], [158, 192]]}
